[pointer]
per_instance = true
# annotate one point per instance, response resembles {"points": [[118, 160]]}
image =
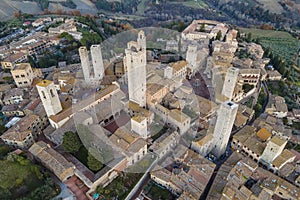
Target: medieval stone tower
{"points": [[85, 64], [97, 62], [48, 94], [230, 82], [191, 57], [223, 127], [135, 66], [91, 63]]}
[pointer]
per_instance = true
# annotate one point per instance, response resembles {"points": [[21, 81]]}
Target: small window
{"points": [[52, 93], [17, 76], [23, 75], [43, 94]]}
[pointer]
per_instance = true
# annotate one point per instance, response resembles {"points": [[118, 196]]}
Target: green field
{"points": [[281, 43], [193, 3]]}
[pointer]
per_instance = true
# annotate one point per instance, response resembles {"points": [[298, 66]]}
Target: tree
{"points": [[219, 35], [89, 39], [100, 189], [93, 163], [2, 128], [67, 36], [71, 142], [249, 37]]}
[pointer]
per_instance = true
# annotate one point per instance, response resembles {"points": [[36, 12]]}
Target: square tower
{"points": [[139, 126], [273, 149], [85, 63], [223, 127], [97, 62], [49, 96], [230, 82], [135, 62], [191, 57]]}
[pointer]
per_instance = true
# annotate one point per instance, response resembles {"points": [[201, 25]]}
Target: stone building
{"points": [[139, 126], [273, 149], [224, 124], [230, 82], [49, 97], [23, 74], [54, 161], [135, 66], [23, 134]]}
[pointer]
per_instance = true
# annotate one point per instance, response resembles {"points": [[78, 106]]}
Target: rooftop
{"points": [[243, 134], [16, 135], [254, 145], [44, 83], [178, 115], [178, 65], [278, 141], [283, 158], [49, 157], [22, 66], [153, 88], [263, 134]]}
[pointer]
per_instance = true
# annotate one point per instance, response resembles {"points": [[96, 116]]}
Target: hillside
{"points": [[278, 14], [8, 7]]}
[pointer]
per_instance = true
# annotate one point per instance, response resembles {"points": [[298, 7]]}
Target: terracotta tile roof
{"points": [[263, 134], [50, 158], [283, 158], [153, 88], [243, 134], [16, 135], [178, 65], [278, 141], [254, 145]]}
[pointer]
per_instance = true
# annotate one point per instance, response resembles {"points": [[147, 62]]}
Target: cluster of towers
{"points": [[92, 63], [135, 66]]}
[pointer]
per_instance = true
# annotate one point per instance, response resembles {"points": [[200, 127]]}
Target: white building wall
{"points": [[271, 152], [140, 127]]}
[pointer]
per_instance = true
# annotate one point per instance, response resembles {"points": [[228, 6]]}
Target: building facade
{"points": [[23, 75]]}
